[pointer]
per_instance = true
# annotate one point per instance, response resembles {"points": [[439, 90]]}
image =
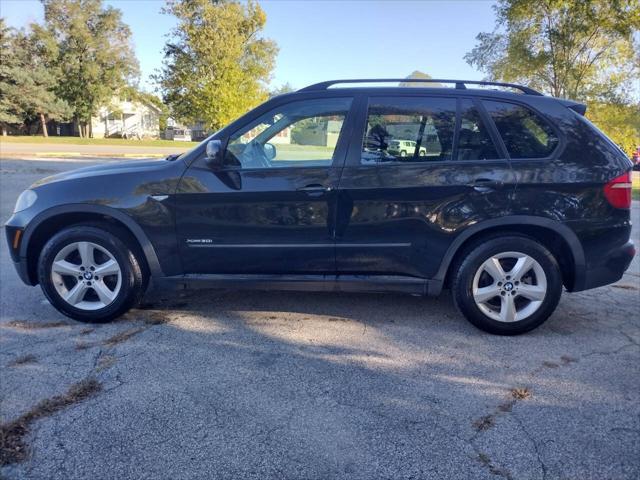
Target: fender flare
{"points": [[147, 247], [513, 221]]}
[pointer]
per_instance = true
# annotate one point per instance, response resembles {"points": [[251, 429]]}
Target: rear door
{"points": [[398, 215]]}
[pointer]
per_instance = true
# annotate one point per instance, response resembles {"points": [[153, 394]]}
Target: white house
{"points": [[127, 118]]}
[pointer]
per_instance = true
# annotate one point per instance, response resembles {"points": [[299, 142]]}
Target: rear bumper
{"points": [[608, 269]]}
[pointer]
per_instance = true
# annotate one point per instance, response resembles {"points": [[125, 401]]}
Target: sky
{"points": [[326, 39]]}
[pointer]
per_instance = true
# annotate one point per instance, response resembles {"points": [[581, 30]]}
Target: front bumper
{"points": [[21, 268], [15, 237]]}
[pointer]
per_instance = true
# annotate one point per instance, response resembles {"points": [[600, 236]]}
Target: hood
{"points": [[126, 166]]}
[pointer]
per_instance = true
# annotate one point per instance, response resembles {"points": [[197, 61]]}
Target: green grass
{"points": [[635, 189], [96, 141]]}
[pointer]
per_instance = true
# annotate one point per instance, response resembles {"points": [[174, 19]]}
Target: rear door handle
{"points": [[485, 184], [314, 190]]}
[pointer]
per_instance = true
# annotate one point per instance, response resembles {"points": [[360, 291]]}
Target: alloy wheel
{"points": [[509, 287], [86, 275]]}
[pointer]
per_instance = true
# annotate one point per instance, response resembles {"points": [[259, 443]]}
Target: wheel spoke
{"points": [[110, 267], [76, 294], [522, 266], [86, 253], [493, 268], [483, 294], [532, 292], [507, 308], [62, 267], [105, 295]]}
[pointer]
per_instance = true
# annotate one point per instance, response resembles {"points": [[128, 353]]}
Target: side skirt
{"points": [[309, 283]]}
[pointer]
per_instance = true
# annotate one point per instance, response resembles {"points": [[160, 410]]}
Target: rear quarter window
{"points": [[525, 133]]}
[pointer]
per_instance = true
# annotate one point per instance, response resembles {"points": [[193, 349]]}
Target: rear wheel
{"points": [[89, 274], [507, 285]]}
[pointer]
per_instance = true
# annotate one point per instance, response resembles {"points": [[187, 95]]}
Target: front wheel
{"points": [[89, 274], [507, 285]]}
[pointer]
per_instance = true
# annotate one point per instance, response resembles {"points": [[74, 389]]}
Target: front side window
{"points": [[409, 129], [298, 134], [524, 133]]}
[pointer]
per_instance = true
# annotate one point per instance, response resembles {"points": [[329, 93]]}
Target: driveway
{"points": [[224, 384]]}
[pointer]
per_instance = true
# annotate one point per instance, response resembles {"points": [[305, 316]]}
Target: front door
{"points": [[421, 170], [271, 208]]}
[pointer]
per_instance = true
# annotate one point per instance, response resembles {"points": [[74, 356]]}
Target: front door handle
{"points": [[314, 190], [485, 184]]}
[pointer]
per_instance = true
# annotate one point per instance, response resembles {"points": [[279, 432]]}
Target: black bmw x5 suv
{"points": [[502, 196]]}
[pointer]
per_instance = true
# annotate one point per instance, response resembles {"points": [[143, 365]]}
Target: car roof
{"points": [[537, 100], [486, 92]]}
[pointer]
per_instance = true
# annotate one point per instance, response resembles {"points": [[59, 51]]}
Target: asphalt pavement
{"points": [[268, 385]]}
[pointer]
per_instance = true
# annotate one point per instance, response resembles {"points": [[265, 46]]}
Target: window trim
{"points": [[555, 153]]}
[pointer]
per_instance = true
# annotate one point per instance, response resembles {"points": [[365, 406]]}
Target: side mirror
{"points": [[214, 157], [270, 150]]}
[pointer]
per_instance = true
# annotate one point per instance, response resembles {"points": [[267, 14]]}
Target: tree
{"points": [[93, 55], [281, 90], [420, 75], [11, 110], [579, 49], [568, 48], [216, 63], [621, 122], [27, 85]]}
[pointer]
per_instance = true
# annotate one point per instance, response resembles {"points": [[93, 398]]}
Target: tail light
{"points": [[618, 191]]}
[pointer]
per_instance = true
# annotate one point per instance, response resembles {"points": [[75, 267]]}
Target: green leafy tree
{"points": [[568, 48], [621, 122], [11, 109], [579, 49], [282, 89], [420, 75], [93, 54], [26, 84], [216, 63]]}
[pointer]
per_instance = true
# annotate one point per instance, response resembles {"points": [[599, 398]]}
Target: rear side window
{"points": [[524, 133], [409, 129], [474, 141]]}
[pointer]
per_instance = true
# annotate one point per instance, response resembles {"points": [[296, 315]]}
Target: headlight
{"points": [[25, 200]]}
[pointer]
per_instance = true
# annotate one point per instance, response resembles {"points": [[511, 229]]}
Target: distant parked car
{"points": [[178, 134], [402, 148], [635, 158], [516, 196]]}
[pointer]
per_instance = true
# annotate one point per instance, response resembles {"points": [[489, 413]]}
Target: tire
{"points": [[531, 292], [93, 298], [403, 153]]}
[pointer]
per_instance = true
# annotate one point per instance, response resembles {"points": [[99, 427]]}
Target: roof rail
{"points": [[460, 84]]}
